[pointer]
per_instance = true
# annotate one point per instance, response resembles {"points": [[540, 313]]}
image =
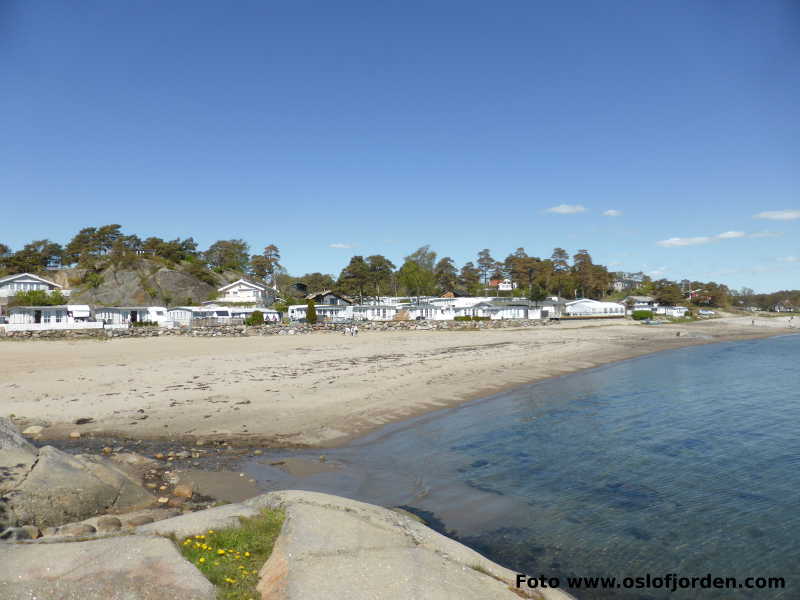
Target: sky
{"points": [[661, 136]]}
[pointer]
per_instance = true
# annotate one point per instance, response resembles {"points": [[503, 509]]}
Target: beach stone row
{"points": [[243, 330]]}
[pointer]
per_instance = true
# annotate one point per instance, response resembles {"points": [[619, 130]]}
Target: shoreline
{"points": [[279, 394]]}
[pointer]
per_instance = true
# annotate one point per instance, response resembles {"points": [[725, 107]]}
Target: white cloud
{"points": [[692, 241], [789, 259], [566, 209], [766, 234], [779, 215], [707, 239], [341, 245], [612, 213]]}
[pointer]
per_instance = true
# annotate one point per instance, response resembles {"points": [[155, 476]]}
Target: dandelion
{"points": [[210, 531], [247, 554], [220, 551], [202, 560]]}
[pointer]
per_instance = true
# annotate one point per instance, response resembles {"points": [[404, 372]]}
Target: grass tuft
{"points": [[231, 558]]}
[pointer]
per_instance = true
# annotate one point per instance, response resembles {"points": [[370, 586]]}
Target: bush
{"points": [[311, 312], [470, 318], [641, 315], [145, 324], [256, 318]]}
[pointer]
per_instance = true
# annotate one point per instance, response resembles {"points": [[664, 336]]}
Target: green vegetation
{"points": [[145, 324], [231, 558], [470, 318], [641, 315], [256, 318], [37, 298], [311, 312]]}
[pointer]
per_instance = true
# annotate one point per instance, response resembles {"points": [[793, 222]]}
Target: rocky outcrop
{"points": [[329, 547], [46, 487], [129, 568]]}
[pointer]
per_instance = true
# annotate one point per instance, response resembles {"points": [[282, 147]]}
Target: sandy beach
{"points": [[315, 390]]}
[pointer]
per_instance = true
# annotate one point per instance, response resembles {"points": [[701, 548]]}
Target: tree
{"points": [[259, 266], [423, 256], [355, 277], [317, 282], [227, 255], [667, 292], [470, 279], [380, 271], [311, 312], [272, 257], [417, 280], [35, 257], [446, 274], [485, 264], [37, 298]]}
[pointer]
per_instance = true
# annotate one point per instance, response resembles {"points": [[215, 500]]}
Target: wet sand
{"points": [[315, 390]]}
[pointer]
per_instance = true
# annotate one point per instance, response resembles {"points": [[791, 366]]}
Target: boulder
{"points": [[47, 487], [129, 568]]}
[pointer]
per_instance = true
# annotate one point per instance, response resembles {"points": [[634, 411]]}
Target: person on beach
{"points": [[346, 331], [355, 330]]}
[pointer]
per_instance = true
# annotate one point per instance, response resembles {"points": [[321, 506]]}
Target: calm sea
{"points": [[685, 462]]}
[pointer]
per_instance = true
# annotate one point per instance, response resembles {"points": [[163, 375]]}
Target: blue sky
{"points": [[363, 127]]}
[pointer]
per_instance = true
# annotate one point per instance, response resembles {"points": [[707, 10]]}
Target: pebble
{"points": [[163, 500], [107, 450], [183, 490], [77, 529], [108, 523], [140, 520], [33, 430], [74, 434], [257, 452]]}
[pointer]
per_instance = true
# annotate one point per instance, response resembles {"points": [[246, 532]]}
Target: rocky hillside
{"points": [[149, 282]]}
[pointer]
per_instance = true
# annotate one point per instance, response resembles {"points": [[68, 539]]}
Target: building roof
{"points": [[18, 275], [251, 284], [316, 295]]}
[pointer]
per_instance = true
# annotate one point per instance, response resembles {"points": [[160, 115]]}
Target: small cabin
{"points": [[27, 282], [586, 307], [130, 315]]}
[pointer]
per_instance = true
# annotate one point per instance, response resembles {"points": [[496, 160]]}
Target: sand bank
{"points": [[321, 389]]}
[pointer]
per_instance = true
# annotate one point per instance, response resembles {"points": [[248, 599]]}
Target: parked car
{"points": [[705, 312]]}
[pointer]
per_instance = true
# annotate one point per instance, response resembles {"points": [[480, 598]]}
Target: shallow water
{"points": [[682, 462]]}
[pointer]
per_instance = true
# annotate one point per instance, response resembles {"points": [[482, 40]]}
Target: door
{"points": [[37, 316], [134, 318]]}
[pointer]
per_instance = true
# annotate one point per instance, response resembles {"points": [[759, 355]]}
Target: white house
{"points": [[325, 312], [671, 311], [586, 307], [63, 316], [245, 291], [184, 315], [26, 282], [640, 302], [128, 315], [329, 298]]}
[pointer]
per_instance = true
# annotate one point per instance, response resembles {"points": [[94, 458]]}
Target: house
{"points": [[502, 285], [243, 291], [640, 302], [129, 315], [588, 308], [627, 281], [671, 311], [27, 282], [330, 298], [499, 310], [63, 316], [551, 307], [783, 307], [327, 312], [375, 312]]}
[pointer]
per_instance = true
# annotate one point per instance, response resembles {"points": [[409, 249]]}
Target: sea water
{"points": [[684, 462]]}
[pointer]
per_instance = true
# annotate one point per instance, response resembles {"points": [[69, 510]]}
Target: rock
{"points": [[74, 434], [108, 523], [107, 450], [176, 502], [77, 529], [183, 490], [33, 430], [333, 547], [133, 568], [163, 500], [63, 488], [19, 533], [159, 456], [49, 531], [140, 520], [84, 420]]}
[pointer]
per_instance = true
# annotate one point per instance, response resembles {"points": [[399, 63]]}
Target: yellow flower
{"points": [[247, 554], [220, 551], [210, 531], [202, 560]]}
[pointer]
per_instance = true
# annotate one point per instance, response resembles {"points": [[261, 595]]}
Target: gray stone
{"points": [[77, 529], [126, 568], [218, 517], [108, 523]]}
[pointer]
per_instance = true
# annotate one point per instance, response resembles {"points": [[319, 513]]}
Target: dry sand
{"points": [[320, 389]]}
